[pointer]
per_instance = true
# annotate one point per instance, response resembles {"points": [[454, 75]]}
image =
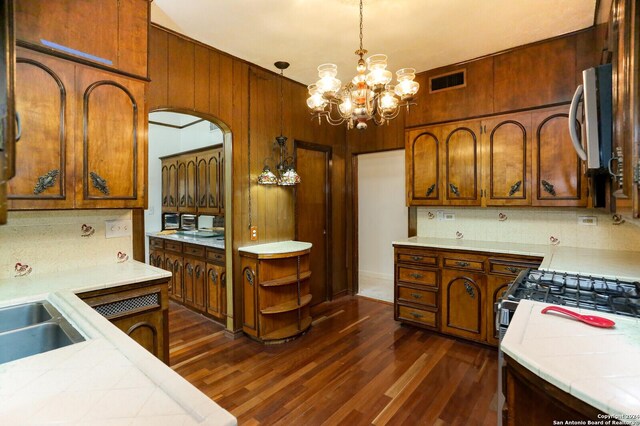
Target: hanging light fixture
{"points": [[287, 175], [369, 96]]}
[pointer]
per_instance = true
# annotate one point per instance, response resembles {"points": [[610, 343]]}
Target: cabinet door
{"points": [[249, 297], [147, 330], [194, 283], [44, 155], [111, 145], [496, 286], [422, 150], [558, 176], [165, 185], [174, 264], [213, 186], [221, 181], [156, 258], [191, 185], [172, 187], [7, 103], [507, 155], [463, 305], [462, 163], [215, 277], [201, 184], [182, 184], [187, 184]]}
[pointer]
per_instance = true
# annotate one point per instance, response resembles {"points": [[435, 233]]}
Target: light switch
{"points": [[117, 228]]}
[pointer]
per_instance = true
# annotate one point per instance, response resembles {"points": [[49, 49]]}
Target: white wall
{"points": [[382, 218], [199, 136]]}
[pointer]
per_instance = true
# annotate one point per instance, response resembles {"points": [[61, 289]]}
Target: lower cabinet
{"points": [[140, 310], [453, 292], [198, 275]]}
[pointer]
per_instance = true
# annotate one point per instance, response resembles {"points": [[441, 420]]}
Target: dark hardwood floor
{"points": [[355, 366]]}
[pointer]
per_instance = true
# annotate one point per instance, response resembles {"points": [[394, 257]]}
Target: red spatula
{"points": [[587, 319]]}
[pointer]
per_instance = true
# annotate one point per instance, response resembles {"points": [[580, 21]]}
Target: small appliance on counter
{"points": [[570, 290], [188, 222], [170, 221]]}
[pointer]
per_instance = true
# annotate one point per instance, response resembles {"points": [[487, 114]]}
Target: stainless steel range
{"points": [[560, 288]]}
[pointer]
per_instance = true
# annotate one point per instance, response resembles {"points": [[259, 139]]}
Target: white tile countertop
{"points": [[107, 379], [281, 247], [600, 366], [212, 242]]}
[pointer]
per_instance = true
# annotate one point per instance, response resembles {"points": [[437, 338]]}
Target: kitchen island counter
{"points": [[108, 378]]}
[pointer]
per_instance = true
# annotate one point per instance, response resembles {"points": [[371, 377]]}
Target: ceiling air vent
{"points": [[448, 81]]}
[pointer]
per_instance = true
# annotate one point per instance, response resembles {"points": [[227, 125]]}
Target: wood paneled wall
{"points": [[190, 77]]}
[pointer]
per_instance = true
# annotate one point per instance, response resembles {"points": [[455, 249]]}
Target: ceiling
{"points": [[421, 34]]}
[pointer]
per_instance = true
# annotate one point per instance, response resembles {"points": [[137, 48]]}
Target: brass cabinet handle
{"points": [[198, 271], [213, 275], [182, 200], [469, 290], [190, 200], [548, 187], [250, 276], [46, 181], [189, 269], [176, 267], [212, 200], [463, 264], [172, 202], [99, 183], [454, 189], [416, 295], [223, 279], [416, 276], [203, 201], [431, 189], [168, 265], [515, 188], [512, 269], [164, 200], [416, 315], [416, 258]]}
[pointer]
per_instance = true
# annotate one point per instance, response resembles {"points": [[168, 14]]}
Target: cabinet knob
{"points": [[548, 187], [469, 288], [417, 258], [198, 271], [416, 315], [431, 189], [512, 269], [416, 295], [45, 181], [463, 264], [99, 183], [515, 188], [416, 276], [213, 275], [454, 189]]}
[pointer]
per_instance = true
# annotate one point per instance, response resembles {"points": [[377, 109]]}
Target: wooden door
{"points": [[461, 160], [213, 186], [506, 144], [249, 296], [147, 330], [44, 155], [174, 264], [463, 305], [215, 276], [111, 144], [496, 286], [422, 151], [189, 281], [7, 104], [558, 176], [313, 224]]}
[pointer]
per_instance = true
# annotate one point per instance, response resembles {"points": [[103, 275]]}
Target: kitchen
{"points": [[484, 119]]}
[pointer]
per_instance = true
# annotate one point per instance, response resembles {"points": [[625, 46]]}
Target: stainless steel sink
{"points": [[33, 328], [19, 316]]}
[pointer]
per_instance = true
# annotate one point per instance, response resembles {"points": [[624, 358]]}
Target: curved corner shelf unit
{"points": [[276, 293]]}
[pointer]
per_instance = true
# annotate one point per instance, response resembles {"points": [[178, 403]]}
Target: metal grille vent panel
{"points": [[127, 305], [447, 81]]}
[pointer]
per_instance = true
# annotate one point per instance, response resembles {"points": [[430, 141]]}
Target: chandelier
{"points": [[369, 96], [287, 175]]}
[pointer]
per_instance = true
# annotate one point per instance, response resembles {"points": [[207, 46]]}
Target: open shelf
{"points": [[287, 306], [288, 280], [288, 331]]}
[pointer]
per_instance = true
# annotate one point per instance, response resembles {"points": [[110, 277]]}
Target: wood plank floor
{"points": [[355, 366]]}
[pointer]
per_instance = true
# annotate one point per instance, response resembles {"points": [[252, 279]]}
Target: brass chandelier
{"points": [[369, 96]]}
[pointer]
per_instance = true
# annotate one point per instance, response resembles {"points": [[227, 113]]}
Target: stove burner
{"points": [[573, 290]]}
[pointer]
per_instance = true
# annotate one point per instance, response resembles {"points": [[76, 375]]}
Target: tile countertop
{"points": [[624, 265], [281, 247], [596, 365], [106, 379], [212, 242]]}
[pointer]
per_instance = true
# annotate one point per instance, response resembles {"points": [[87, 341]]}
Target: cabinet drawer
{"points": [[215, 256], [509, 267], [463, 262], [173, 246], [417, 315], [193, 250], [416, 256], [418, 276], [422, 297], [156, 243]]}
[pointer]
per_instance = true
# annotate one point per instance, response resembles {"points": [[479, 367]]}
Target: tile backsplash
{"points": [[36, 242], [528, 225]]}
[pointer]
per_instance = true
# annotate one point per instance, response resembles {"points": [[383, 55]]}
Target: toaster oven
{"points": [[170, 221], [188, 222]]}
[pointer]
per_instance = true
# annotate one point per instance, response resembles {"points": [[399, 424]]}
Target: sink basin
{"points": [[35, 339], [19, 316]]}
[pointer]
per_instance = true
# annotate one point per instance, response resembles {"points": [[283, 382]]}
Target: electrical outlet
{"points": [[587, 220], [439, 215], [117, 228], [254, 233], [449, 216]]}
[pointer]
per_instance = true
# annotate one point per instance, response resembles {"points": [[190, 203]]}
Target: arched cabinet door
{"points": [[463, 303], [111, 149], [422, 150], [44, 154], [165, 185], [213, 186], [496, 286], [202, 179], [462, 163]]}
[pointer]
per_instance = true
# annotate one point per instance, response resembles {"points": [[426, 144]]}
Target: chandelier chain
{"points": [[281, 101], [361, 26]]}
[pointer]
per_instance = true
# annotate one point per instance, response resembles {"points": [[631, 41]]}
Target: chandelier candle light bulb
{"points": [[369, 96]]}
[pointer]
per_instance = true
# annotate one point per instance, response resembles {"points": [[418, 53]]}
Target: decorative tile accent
{"points": [[122, 257], [502, 217], [554, 241], [87, 230], [459, 235], [22, 270], [617, 219], [430, 215]]}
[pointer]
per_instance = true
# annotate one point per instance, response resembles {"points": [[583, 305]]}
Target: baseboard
{"points": [[385, 302], [233, 335]]}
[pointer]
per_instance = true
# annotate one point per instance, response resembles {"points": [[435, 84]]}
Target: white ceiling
{"points": [[421, 34]]}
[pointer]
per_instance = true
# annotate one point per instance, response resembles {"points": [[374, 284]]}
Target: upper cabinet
{"points": [[518, 159], [108, 33], [7, 104]]}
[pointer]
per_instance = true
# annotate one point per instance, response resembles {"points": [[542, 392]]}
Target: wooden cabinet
{"points": [[187, 184], [169, 186], [174, 264], [276, 295], [519, 159], [84, 137], [451, 291], [194, 276], [7, 103], [140, 310], [108, 33], [216, 290]]}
